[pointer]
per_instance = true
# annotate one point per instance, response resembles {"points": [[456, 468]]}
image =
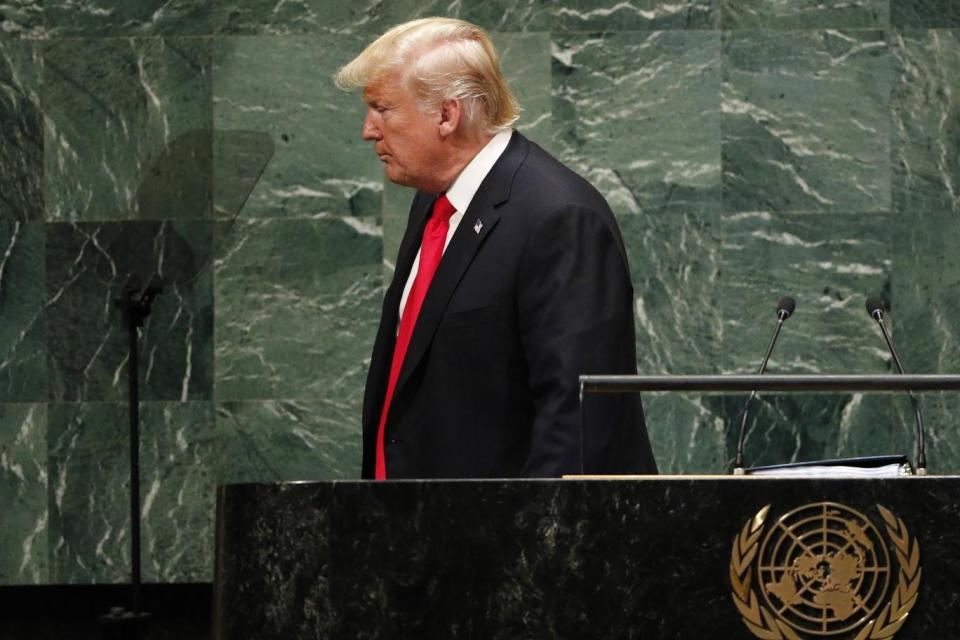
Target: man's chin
{"points": [[397, 177]]}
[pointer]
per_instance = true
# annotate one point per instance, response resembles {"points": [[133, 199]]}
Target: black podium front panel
{"points": [[667, 557]]}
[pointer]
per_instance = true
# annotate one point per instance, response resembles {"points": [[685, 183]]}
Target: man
{"points": [[511, 280]]}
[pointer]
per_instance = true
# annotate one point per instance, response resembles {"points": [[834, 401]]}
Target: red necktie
{"points": [[431, 250]]}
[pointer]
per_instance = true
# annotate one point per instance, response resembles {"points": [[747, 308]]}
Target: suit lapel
{"points": [[477, 224], [387, 332]]}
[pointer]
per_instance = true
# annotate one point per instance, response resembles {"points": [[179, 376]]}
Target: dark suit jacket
{"points": [[515, 313]]}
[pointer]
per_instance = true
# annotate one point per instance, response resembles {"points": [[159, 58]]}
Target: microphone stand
{"points": [[135, 302], [877, 315], [738, 469]]}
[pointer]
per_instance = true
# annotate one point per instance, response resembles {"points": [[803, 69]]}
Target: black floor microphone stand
{"points": [[135, 302]]}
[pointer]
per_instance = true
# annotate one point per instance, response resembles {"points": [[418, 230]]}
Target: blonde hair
{"points": [[440, 59]]}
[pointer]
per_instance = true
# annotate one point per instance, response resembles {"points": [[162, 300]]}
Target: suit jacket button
{"points": [[393, 441]]}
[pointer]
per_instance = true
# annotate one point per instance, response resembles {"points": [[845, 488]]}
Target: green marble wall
{"points": [[750, 148]]}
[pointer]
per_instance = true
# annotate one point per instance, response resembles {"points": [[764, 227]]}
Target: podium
{"points": [[678, 557], [656, 557]]}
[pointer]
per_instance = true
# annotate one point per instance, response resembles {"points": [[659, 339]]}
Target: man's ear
{"points": [[451, 111]]}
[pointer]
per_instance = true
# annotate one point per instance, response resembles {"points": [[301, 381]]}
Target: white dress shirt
{"points": [[461, 193]]}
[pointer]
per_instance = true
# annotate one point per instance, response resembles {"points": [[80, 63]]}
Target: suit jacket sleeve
{"points": [[575, 309]]}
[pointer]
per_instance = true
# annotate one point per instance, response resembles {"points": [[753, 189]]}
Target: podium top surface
{"points": [[573, 479]]}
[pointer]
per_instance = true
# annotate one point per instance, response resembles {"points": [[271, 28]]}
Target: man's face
{"points": [[405, 138]]}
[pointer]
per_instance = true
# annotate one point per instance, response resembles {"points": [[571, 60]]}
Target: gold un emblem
{"points": [[824, 569]]}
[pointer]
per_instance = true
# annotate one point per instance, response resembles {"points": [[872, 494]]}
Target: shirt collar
{"points": [[466, 184]]}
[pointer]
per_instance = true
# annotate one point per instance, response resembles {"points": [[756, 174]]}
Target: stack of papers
{"points": [[839, 471], [871, 467]]}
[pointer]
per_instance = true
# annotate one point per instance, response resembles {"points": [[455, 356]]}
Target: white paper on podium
{"points": [[892, 470]]}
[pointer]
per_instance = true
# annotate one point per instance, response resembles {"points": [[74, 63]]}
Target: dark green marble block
{"points": [[106, 18], [633, 15], [926, 123], [24, 481], [87, 265], [638, 114], [21, 136], [807, 14], [371, 16], [297, 307], [21, 18], [806, 121], [89, 478], [23, 330], [932, 14], [127, 131]]}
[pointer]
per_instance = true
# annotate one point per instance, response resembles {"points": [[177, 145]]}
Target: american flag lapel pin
{"points": [[478, 226]]}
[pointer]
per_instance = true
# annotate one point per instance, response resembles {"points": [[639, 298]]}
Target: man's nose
{"points": [[369, 131]]}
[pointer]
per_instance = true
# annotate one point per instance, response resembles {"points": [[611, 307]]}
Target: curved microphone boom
{"points": [[876, 307], [785, 309]]}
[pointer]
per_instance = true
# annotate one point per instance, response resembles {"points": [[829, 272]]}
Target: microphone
{"points": [[785, 309], [876, 308]]}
